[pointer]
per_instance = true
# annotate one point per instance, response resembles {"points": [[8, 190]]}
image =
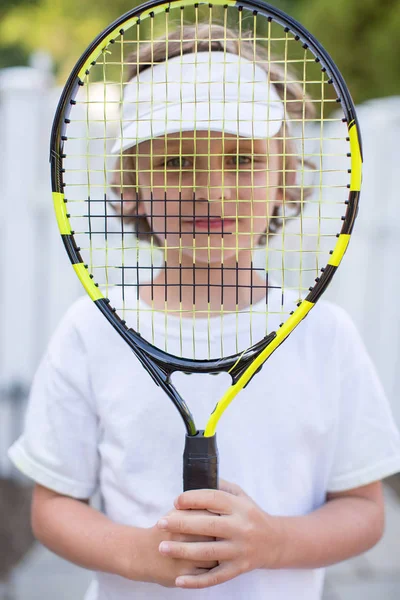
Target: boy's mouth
{"points": [[212, 223]]}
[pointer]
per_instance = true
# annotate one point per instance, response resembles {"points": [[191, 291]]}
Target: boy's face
{"points": [[212, 194]]}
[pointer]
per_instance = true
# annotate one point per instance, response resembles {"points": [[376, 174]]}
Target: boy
{"points": [[315, 439]]}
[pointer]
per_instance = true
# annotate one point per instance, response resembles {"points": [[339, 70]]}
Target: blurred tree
{"points": [[61, 27], [6, 5], [14, 53], [361, 37]]}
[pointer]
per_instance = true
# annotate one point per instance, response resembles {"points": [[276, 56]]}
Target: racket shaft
{"points": [[200, 462]]}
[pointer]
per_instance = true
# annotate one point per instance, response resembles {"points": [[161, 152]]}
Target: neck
{"points": [[207, 289]]}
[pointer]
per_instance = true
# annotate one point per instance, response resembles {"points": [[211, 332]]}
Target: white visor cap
{"points": [[207, 91]]}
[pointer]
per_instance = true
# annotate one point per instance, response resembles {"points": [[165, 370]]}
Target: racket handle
{"points": [[200, 462]]}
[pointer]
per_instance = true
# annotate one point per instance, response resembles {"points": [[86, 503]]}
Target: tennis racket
{"points": [[206, 170]]}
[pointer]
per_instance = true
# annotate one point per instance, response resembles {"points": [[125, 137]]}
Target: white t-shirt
{"points": [[315, 419]]}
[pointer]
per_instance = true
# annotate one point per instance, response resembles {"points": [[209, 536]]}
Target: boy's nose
{"points": [[212, 185]]}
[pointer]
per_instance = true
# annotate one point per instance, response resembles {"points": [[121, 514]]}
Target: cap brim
{"points": [[249, 120]]}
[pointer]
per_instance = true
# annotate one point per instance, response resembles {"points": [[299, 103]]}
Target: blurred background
{"points": [[40, 40]]}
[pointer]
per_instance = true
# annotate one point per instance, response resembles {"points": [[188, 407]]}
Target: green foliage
{"points": [[13, 54], [61, 27], [7, 5], [362, 37]]}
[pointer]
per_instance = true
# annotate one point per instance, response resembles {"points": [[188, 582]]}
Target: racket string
{"points": [[205, 258]]}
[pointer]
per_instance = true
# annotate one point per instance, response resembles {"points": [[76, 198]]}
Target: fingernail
{"points": [[162, 523], [164, 547], [180, 582]]}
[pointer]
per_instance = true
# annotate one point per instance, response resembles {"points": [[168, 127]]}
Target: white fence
{"points": [[33, 296]]}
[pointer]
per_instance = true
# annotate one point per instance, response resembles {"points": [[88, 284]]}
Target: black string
{"points": [[208, 263], [165, 258], [123, 265], [233, 285], [89, 218], [137, 262], [152, 238], [180, 244], [193, 266]]}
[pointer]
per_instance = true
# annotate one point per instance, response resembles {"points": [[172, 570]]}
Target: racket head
{"points": [[101, 244]]}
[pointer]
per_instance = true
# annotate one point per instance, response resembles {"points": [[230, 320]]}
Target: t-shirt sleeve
{"points": [[368, 441], [58, 448]]}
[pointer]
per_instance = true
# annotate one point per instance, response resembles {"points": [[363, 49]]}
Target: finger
{"points": [[181, 537], [196, 571], [216, 576], [208, 564], [206, 525], [216, 501], [198, 551], [231, 488]]}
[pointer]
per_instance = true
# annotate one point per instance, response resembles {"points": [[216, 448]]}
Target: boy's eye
{"points": [[180, 162], [236, 161], [241, 159], [177, 162]]}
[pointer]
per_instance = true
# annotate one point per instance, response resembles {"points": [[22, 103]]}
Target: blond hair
{"points": [[205, 38]]}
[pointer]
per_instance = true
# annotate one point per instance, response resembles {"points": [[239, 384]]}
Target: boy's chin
{"points": [[215, 257]]}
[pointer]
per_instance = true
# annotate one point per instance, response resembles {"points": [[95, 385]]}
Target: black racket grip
{"points": [[200, 462]]}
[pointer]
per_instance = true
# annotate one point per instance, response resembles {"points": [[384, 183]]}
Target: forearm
{"points": [[340, 529], [82, 535]]}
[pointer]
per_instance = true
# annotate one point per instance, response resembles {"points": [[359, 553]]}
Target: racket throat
{"points": [[200, 462]]}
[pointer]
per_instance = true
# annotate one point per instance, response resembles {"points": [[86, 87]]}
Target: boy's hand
{"points": [[244, 536], [164, 569]]}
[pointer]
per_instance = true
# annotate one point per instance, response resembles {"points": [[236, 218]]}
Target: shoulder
{"points": [[82, 327], [82, 316], [334, 337], [82, 311], [326, 320], [85, 311], [334, 323], [326, 335], [330, 317]]}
